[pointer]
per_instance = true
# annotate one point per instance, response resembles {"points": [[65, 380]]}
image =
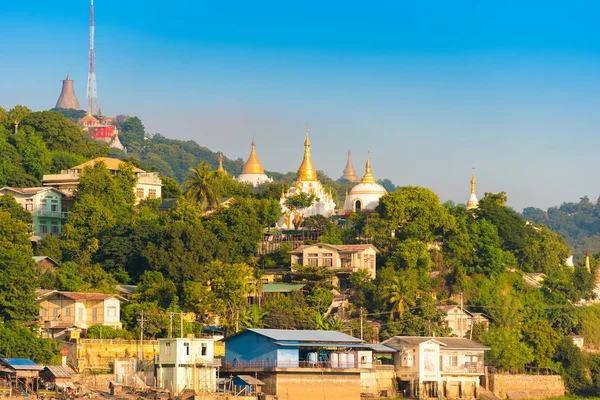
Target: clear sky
{"points": [[429, 87]]}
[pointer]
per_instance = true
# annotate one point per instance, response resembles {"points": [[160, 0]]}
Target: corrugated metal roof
{"points": [[342, 248], [250, 380], [381, 348], [448, 343], [21, 364], [306, 335], [59, 371], [281, 287]]}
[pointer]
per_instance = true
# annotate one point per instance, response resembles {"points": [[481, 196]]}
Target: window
{"points": [[68, 312], [94, 314], [168, 348], [29, 207], [54, 312], [139, 193], [186, 346], [53, 207], [327, 260], [313, 259], [43, 312], [54, 229], [453, 361], [81, 315], [204, 349], [43, 229], [151, 193], [111, 312]]}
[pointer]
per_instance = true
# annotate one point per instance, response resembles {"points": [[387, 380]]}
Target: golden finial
{"points": [[349, 171], [307, 171], [282, 192], [221, 169], [473, 202], [587, 261], [368, 178], [253, 165]]}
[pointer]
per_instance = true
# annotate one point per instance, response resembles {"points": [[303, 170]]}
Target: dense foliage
{"points": [[199, 257]]}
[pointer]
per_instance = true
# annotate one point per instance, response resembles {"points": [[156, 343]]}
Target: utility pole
{"points": [[181, 325], [170, 324], [460, 321], [361, 323], [141, 321]]}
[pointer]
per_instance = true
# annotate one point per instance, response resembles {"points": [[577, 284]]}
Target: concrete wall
{"points": [[381, 378], [313, 385], [100, 354], [526, 386]]}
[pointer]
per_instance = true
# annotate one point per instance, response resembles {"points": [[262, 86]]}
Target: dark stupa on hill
{"points": [[67, 97]]}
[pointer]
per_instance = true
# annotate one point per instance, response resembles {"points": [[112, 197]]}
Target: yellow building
{"points": [[349, 257]]}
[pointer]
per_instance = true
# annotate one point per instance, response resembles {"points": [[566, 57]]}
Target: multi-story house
{"points": [[64, 311], [148, 185], [186, 363], [439, 367], [46, 205], [461, 321], [349, 257]]}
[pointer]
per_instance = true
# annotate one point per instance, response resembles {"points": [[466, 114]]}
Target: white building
{"points": [[364, 196], [187, 363], [148, 185], [437, 367], [253, 171], [306, 182], [348, 258]]}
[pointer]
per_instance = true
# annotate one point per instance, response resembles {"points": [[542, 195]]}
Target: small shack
{"points": [[56, 374], [247, 383], [22, 374]]}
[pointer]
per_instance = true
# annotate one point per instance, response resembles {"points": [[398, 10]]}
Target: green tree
{"points": [[542, 339], [401, 292], [203, 186], [297, 203], [508, 351], [49, 246], [10, 205], [17, 274], [170, 188]]}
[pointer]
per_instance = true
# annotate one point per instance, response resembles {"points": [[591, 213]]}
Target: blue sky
{"points": [[429, 87]]}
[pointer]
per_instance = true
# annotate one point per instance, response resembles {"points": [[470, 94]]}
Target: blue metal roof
{"points": [[306, 335], [21, 363]]}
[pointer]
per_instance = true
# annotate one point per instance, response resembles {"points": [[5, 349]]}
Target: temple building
{"points": [[67, 98], [101, 131], [473, 202], [306, 182], [349, 171], [364, 196], [253, 171]]}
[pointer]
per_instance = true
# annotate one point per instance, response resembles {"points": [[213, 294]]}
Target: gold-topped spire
{"points": [[368, 177], [473, 202], [221, 169], [253, 165], [349, 171], [587, 261], [282, 192], [307, 172]]}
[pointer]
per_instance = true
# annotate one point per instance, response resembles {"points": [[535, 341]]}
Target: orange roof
{"points": [[111, 163]]}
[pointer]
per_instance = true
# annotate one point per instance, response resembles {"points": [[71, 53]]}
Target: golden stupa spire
{"points": [[587, 261], [307, 172], [253, 165], [349, 171], [473, 202], [368, 177], [221, 169], [282, 192]]}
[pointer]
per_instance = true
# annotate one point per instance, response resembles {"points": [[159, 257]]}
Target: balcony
{"points": [[296, 364], [208, 362], [466, 368], [52, 214]]}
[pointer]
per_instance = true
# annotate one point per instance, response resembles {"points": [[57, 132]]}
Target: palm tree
{"points": [[330, 323], [401, 293], [254, 317], [203, 186]]}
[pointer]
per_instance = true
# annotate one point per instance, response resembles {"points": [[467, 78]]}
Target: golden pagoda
{"points": [[368, 177], [307, 172], [473, 202], [253, 165], [253, 171], [597, 275], [221, 169], [349, 171]]}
